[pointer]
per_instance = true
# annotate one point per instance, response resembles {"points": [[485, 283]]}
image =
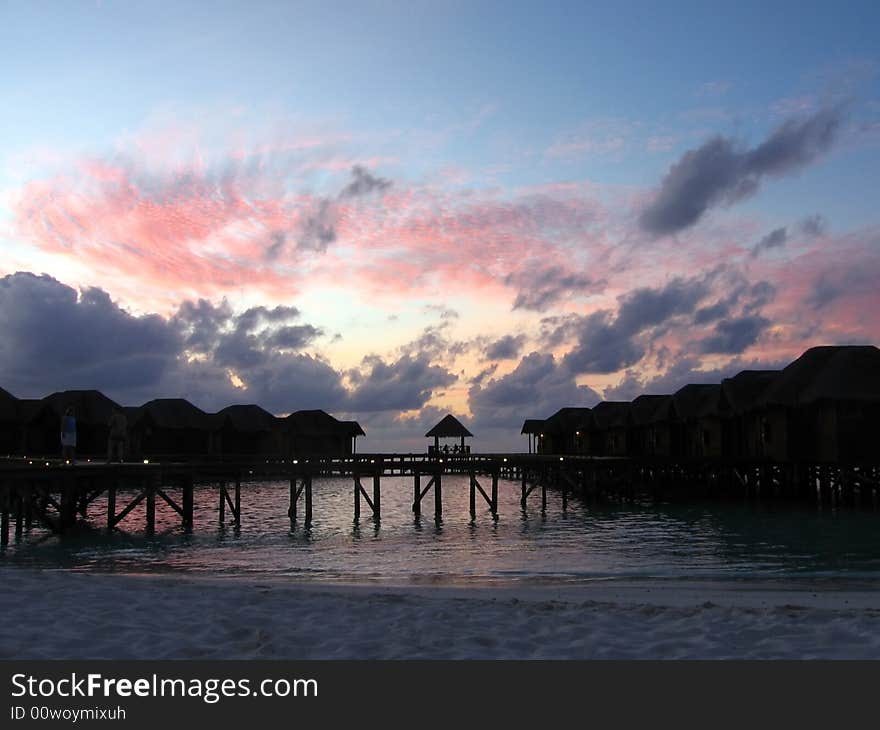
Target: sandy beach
{"points": [[62, 615]]}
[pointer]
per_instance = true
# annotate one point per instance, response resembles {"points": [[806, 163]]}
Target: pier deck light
{"points": [[561, 459], [146, 461], [296, 461]]}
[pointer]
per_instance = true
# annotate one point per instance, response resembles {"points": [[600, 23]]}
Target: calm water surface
{"points": [[588, 542]]}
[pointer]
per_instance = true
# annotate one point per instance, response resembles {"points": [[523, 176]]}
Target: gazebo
{"points": [[449, 427]]}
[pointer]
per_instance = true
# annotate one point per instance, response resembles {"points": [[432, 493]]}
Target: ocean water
{"points": [[587, 542]]}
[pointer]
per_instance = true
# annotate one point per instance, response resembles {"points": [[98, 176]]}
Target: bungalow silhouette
{"points": [[316, 432], [567, 431], [10, 423], [41, 422], [644, 438], [534, 429], [171, 427], [824, 406], [246, 430], [735, 404]]}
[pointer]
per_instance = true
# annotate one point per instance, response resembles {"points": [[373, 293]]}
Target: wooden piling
{"points": [[151, 508], [19, 515], [188, 494], [111, 507], [494, 506], [238, 501], [417, 494], [357, 497], [291, 509], [222, 491], [308, 488], [438, 496], [473, 496], [377, 495], [4, 517]]}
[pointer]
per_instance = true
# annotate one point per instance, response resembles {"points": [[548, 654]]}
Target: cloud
{"points": [[607, 342], [732, 336], [403, 385], [538, 386], [505, 348], [318, 229], [775, 239], [363, 183], [542, 286], [55, 337], [721, 172], [814, 225]]}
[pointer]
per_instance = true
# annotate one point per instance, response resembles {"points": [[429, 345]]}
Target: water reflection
{"points": [[589, 541]]}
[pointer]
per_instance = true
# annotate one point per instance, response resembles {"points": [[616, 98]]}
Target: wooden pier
{"points": [[57, 495]]}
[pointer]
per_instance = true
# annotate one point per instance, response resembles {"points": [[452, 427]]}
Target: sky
{"points": [[395, 210]]}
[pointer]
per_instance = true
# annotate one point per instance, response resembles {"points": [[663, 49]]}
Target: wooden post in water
{"points": [[188, 493], [525, 490], [438, 495], [543, 495], [308, 488], [473, 501], [222, 491], [111, 506], [291, 509], [238, 500], [417, 494], [357, 497], [19, 514], [494, 505], [4, 517], [377, 495], [151, 507]]}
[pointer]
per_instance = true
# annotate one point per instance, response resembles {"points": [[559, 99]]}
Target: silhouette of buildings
{"points": [[824, 406], [449, 427]]}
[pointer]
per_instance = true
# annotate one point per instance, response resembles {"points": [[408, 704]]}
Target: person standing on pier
{"points": [[68, 434], [116, 438]]}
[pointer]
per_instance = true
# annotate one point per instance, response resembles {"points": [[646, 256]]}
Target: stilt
{"points": [[494, 506], [237, 501], [357, 498], [151, 509], [4, 517], [291, 509], [188, 501], [438, 496], [473, 496], [543, 495], [308, 488], [111, 507], [19, 515], [417, 494], [377, 495], [525, 491], [222, 502]]}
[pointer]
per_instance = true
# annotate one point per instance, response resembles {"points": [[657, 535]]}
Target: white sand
{"points": [[60, 615]]}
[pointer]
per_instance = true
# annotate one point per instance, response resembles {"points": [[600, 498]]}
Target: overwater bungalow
{"points": [[41, 422], [608, 429], [825, 406], [353, 430], [171, 427], [643, 435], [566, 432], [533, 428], [735, 404], [316, 432], [10, 423], [246, 430], [698, 423], [449, 427]]}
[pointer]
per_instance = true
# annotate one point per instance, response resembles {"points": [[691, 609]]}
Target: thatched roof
{"points": [[9, 406], [90, 406], [611, 413], [643, 408], [354, 428], [248, 418], [313, 423], [741, 392], [177, 413], [449, 426], [847, 372], [533, 426], [694, 399], [568, 419]]}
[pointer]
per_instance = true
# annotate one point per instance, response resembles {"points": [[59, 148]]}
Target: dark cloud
{"points": [[732, 336], [363, 183], [505, 348], [537, 387], [318, 229], [814, 225], [720, 172], [539, 288], [403, 385], [607, 343], [775, 239], [293, 337], [54, 338]]}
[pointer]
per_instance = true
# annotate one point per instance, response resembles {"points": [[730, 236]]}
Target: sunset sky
{"points": [[391, 210]]}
